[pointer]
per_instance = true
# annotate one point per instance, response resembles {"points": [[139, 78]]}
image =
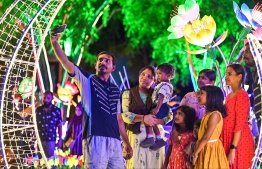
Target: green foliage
{"points": [[145, 23]]}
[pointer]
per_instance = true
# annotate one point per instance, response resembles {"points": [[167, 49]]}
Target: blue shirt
{"points": [[47, 122], [104, 98]]}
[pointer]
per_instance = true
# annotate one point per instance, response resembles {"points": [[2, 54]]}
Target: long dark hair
{"points": [[214, 99], [190, 117], [240, 70]]}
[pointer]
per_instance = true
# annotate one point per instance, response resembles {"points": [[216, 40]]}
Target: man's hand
{"points": [[59, 143], [127, 151]]}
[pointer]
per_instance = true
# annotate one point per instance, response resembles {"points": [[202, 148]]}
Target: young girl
{"points": [[180, 137], [209, 152], [236, 135], [192, 146]]}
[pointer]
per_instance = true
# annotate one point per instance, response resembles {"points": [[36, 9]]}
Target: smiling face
{"points": [[146, 79], [232, 79], [203, 80], [104, 64]]}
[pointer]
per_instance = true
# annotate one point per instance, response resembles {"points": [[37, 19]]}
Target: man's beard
{"points": [[47, 104]]}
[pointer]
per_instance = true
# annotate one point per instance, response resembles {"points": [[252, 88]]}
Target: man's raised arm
{"points": [[61, 56]]}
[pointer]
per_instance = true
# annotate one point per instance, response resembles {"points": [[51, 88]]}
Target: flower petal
{"points": [[246, 11], [235, 6], [176, 35], [242, 19], [205, 37], [258, 33], [255, 25], [196, 51], [193, 13], [221, 39], [179, 20], [187, 29]]}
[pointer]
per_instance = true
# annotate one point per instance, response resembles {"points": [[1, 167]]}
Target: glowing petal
{"points": [[176, 35], [258, 33], [235, 6], [246, 11], [221, 39]]}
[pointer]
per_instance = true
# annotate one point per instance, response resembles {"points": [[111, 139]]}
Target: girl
{"points": [[209, 152], [180, 137], [236, 135], [205, 77], [192, 146]]}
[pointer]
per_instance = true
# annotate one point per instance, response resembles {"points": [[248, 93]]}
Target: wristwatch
{"points": [[233, 147]]}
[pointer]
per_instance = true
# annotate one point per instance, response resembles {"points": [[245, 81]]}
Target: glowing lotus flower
{"points": [[247, 17], [200, 32], [258, 33], [186, 13]]}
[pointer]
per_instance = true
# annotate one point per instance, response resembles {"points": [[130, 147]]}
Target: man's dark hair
{"points": [[209, 73], [107, 53]]}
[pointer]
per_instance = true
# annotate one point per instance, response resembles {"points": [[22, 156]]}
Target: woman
{"points": [[74, 132], [236, 135], [136, 104], [205, 77]]}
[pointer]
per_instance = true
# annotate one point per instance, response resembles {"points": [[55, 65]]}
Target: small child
{"points": [[180, 137], [209, 152], [160, 108], [192, 146]]}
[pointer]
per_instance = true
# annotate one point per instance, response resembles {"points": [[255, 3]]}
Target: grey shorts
{"points": [[103, 153]]}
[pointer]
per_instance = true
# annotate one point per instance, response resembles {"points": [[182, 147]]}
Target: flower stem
{"points": [[242, 35]]}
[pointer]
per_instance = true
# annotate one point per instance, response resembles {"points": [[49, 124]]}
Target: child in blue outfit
{"points": [[161, 96]]}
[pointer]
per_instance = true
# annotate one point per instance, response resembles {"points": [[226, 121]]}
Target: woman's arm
{"points": [[242, 113], [213, 120], [130, 118]]}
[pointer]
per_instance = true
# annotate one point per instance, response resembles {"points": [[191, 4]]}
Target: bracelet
{"points": [[194, 156]]}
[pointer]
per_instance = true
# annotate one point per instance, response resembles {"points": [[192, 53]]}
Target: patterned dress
{"points": [[212, 156], [143, 158], [178, 156], [190, 99], [237, 119]]}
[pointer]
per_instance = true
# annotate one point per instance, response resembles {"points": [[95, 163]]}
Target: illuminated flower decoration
{"points": [[201, 33], [25, 87], [66, 94], [185, 13], [258, 33], [249, 17]]}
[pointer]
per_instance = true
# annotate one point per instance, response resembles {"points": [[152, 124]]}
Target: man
{"points": [[48, 118], [102, 121], [249, 60]]}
